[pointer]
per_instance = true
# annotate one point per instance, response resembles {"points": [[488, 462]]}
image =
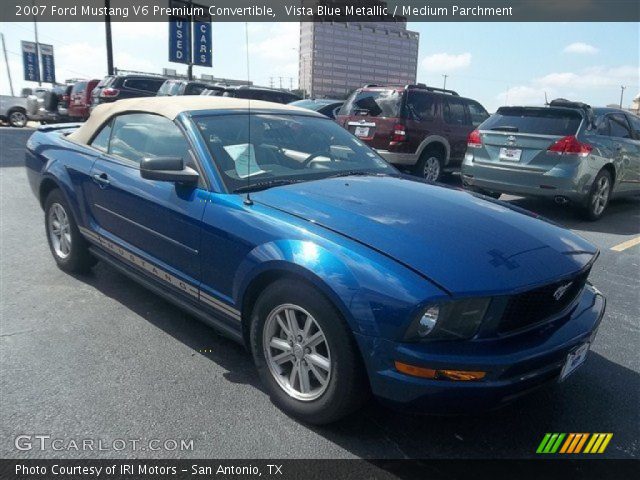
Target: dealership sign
{"points": [[48, 64], [30, 61], [190, 39]]}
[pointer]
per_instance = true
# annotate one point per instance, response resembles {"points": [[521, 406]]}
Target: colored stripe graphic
{"points": [[573, 443]]}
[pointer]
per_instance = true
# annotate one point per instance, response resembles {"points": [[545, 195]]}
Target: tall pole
{"points": [[109, 42], [190, 67], [35, 29], [6, 61], [444, 87], [622, 88]]}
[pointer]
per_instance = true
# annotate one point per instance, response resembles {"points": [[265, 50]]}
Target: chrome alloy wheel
{"points": [[297, 352], [431, 170], [601, 195], [59, 230]]}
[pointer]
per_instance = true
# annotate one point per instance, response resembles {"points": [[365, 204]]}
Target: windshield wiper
{"points": [[506, 128], [358, 173], [264, 185]]}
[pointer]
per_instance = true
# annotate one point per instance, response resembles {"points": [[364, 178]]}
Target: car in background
{"points": [[120, 86], [256, 93], [47, 105], [341, 276], [567, 151], [326, 106], [174, 87], [80, 99], [13, 110], [415, 127]]}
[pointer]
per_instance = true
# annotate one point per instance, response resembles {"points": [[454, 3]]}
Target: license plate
{"points": [[362, 132], [510, 154], [574, 360]]}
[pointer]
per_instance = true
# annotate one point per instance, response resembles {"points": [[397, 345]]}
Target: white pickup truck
{"points": [[13, 110]]}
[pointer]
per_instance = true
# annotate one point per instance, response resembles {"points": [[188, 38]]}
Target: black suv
{"points": [[116, 87], [175, 87], [259, 93], [416, 127]]}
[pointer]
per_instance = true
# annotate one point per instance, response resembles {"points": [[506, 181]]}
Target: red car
{"points": [[80, 99], [415, 127]]}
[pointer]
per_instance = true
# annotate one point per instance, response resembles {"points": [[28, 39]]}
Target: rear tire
{"points": [[18, 118], [430, 165], [335, 359], [69, 248], [599, 196]]}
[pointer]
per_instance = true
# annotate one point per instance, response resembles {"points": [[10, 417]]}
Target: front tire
{"points": [[305, 354], [599, 196], [69, 248]]}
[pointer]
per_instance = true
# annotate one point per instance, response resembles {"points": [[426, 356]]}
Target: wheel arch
{"points": [[435, 141], [611, 168]]}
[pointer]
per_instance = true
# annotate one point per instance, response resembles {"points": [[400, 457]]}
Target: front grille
{"points": [[535, 306]]}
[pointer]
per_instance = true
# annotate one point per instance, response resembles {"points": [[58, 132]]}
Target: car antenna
{"points": [[247, 200], [546, 102]]}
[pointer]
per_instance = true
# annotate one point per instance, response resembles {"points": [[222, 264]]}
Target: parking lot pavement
{"points": [[99, 357]]}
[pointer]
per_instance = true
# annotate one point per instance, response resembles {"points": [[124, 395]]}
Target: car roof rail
{"points": [[584, 107], [422, 86]]}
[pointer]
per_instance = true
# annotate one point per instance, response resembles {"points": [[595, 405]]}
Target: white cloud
{"points": [[592, 77], [523, 95], [581, 48], [446, 62], [279, 43]]}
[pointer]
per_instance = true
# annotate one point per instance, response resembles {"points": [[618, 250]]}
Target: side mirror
{"points": [[168, 169]]}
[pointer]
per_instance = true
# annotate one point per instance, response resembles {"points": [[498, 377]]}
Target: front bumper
{"points": [[515, 365]]}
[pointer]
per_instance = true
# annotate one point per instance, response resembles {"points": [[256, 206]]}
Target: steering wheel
{"points": [[313, 156]]}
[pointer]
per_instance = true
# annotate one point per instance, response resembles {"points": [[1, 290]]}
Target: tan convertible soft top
{"points": [[169, 107]]}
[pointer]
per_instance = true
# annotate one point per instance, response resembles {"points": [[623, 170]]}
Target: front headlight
{"points": [[449, 321]]}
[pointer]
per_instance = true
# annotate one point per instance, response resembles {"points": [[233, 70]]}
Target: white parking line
{"points": [[628, 244]]}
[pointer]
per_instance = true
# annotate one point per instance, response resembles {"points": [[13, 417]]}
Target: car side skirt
{"points": [[157, 280]]}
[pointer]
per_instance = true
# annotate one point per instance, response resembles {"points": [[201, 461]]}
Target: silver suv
{"points": [[567, 151]]}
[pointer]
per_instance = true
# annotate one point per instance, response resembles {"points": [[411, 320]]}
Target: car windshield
{"points": [[538, 121], [312, 104], [273, 149], [374, 103]]}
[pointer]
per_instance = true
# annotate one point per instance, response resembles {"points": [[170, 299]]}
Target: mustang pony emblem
{"points": [[559, 293]]}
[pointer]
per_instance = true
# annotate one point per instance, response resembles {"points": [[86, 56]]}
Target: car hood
{"points": [[460, 241]]}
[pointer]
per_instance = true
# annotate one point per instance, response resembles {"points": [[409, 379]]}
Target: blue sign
{"points": [[180, 40], [48, 64], [30, 61], [202, 43]]}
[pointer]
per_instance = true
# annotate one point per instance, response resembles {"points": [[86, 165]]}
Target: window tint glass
{"points": [[421, 106], [602, 126], [283, 148], [541, 121], [453, 112], [101, 141], [147, 84], [79, 87], [377, 103], [141, 135], [194, 88], [478, 113], [635, 124], [164, 89], [619, 126]]}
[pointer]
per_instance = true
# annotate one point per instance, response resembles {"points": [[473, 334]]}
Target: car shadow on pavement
{"points": [[190, 331], [594, 399]]}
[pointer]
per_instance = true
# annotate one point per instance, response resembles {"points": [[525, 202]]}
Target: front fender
{"points": [[376, 296]]}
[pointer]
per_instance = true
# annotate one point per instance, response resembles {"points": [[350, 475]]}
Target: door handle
{"points": [[101, 179]]}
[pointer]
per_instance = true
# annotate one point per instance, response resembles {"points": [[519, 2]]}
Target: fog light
{"points": [[428, 321], [456, 375]]}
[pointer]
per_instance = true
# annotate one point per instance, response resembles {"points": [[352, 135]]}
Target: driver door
{"points": [[157, 221]]}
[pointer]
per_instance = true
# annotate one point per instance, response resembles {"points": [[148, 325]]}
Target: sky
{"points": [[494, 63]]}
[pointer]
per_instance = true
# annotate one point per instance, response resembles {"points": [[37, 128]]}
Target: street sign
{"points": [[180, 40], [202, 41], [30, 63], [48, 64]]}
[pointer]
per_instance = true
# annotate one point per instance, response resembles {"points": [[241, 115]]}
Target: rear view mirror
{"points": [[168, 169]]}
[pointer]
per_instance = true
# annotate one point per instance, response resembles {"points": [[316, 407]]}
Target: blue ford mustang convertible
{"points": [[342, 276]]}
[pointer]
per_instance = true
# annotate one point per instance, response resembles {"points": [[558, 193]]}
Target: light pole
{"points": [[109, 42], [35, 30], [444, 87], [622, 88]]}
